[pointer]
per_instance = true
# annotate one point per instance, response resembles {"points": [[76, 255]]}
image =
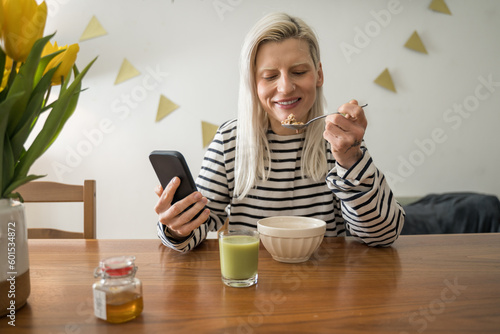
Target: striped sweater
{"points": [[358, 200]]}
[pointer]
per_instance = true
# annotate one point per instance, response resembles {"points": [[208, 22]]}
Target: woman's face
{"points": [[286, 81]]}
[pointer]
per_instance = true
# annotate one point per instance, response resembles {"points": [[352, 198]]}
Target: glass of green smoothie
{"points": [[239, 256]]}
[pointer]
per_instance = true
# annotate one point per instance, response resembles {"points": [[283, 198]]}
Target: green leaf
{"points": [[52, 126], [24, 81], [8, 162], [70, 109], [17, 183], [31, 114], [5, 107]]}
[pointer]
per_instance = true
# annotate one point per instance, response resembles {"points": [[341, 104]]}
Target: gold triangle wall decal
{"points": [[94, 29], [127, 71], [165, 107], [415, 43], [440, 6], [208, 132], [385, 80]]}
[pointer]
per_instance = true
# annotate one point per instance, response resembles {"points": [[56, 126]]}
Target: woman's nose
{"points": [[285, 85]]}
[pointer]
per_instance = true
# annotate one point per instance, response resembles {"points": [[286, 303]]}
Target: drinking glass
{"points": [[239, 257]]}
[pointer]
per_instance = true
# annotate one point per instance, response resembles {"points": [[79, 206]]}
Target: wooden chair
{"points": [[44, 191]]}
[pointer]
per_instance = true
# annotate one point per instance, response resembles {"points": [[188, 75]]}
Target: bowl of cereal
{"points": [[291, 239]]}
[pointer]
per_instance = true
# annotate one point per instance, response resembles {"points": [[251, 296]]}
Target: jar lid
{"points": [[117, 266]]}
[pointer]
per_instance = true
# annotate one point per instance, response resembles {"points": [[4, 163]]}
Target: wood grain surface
{"points": [[423, 284]]}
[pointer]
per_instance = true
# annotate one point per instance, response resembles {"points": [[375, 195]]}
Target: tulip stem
{"points": [[13, 73], [47, 96]]}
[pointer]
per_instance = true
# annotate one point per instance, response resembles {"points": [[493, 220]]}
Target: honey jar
{"points": [[118, 293]]}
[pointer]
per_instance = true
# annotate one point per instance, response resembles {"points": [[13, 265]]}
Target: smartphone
{"points": [[168, 164]]}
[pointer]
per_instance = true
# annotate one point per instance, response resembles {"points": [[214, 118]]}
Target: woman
{"points": [[255, 168]]}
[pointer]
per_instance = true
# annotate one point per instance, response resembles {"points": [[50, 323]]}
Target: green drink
{"points": [[239, 255]]}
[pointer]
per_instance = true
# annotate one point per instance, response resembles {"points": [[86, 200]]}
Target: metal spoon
{"points": [[303, 126]]}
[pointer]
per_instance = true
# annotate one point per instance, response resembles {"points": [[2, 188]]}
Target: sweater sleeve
{"points": [[193, 240], [371, 212]]}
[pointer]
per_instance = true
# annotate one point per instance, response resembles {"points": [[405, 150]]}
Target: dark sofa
{"points": [[463, 212]]}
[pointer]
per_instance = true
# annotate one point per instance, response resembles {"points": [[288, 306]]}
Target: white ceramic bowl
{"points": [[291, 239]]}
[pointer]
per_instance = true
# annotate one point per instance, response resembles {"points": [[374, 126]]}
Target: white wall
{"points": [[194, 49]]}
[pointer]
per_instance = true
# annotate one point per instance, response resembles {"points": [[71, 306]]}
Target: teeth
{"points": [[287, 102]]}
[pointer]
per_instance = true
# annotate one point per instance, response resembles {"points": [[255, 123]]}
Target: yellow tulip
{"points": [[66, 59], [23, 24]]}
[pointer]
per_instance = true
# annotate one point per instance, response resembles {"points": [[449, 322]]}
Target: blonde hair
{"points": [[252, 147]]}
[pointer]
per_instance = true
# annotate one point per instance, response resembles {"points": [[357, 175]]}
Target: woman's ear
{"points": [[320, 80]]}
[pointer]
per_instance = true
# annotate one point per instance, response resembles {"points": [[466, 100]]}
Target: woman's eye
{"points": [[270, 77], [300, 72]]}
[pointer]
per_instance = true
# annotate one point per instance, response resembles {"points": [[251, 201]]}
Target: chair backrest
{"points": [[44, 191]]}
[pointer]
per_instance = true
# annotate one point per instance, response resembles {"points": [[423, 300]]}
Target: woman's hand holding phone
{"points": [[180, 206], [178, 216]]}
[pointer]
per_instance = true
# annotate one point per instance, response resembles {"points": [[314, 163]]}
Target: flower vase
{"points": [[14, 258]]}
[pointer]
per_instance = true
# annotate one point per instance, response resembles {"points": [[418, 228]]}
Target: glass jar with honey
{"points": [[118, 293]]}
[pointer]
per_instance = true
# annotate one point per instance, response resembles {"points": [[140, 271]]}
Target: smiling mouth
{"points": [[287, 103]]}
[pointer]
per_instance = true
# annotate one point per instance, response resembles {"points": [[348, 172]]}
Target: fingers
{"points": [[166, 196], [171, 188], [180, 221], [179, 217], [185, 224], [353, 111], [345, 145], [343, 136], [158, 190], [345, 132], [195, 199]]}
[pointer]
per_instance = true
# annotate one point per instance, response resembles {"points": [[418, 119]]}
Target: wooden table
{"points": [[423, 284]]}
